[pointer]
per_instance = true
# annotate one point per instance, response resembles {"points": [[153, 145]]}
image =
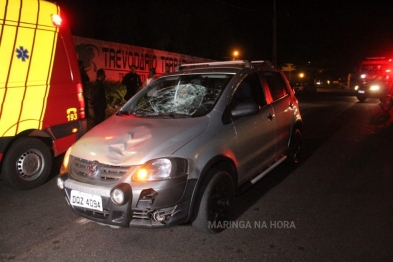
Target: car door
{"points": [[255, 133], [282, 106]]}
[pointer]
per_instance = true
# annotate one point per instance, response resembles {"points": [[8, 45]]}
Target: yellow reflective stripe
{"points": [[52, 9], [20, 66], [23, 108], [13, 10], [6, 53], [2, 11], [9, 106]]}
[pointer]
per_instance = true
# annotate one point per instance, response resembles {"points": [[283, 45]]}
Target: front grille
{"points": [[146, 214], [79, 170], [94, 213], [141, 214]]}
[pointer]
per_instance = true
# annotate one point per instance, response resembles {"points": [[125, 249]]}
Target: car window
{"points": [[249, 90], [372, 68], [276, 84], [182, 96]]}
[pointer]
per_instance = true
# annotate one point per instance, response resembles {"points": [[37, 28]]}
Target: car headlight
{"points": [[160, 169], [374, 87], [64, 166]]}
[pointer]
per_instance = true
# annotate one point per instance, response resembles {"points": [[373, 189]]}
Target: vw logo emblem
{"points": [[93, 169]]}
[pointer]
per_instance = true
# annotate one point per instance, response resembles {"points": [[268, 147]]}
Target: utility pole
{"points": [[274, 35]]}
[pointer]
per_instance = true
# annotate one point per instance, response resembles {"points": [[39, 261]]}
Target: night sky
{"points": [[338, 34]]}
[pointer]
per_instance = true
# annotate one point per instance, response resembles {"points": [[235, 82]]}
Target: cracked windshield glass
{"points": [[178, 96]]}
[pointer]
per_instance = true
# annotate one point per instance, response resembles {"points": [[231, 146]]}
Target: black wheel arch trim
{"points": [[220, 162]]}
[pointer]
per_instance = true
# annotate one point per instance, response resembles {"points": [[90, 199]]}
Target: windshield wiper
{"points": [[123, 113]]}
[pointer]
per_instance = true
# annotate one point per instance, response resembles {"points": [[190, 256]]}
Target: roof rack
{"points": [[246, 63], [262, 63]]}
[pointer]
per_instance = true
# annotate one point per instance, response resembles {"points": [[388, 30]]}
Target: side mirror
{"points": [[245, 109], [242, 109]]}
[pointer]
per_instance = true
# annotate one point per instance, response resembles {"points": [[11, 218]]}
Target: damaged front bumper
{"points": [[149, 205]]}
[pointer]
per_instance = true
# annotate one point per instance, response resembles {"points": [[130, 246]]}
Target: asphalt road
{"points": [[335, 206]]}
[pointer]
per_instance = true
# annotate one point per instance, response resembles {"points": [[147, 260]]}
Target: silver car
{"points": [[181, 148]]}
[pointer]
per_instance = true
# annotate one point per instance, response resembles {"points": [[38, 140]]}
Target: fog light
{"points": [[157, 216], [60, 183], [117, 196]]}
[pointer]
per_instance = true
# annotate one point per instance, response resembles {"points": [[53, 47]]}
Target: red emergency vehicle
{"points": [[376, 78], [41, 101]]}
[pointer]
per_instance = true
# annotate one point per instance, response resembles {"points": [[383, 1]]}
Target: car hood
{"points": [[125, 140]]}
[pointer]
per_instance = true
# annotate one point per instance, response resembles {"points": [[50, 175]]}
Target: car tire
{"points": [[361, 98], [27, 164], [295, 147], [386, 103], [216, 203]]}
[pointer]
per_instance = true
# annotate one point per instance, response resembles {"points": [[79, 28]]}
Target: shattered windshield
{"points": [[179, 96]]}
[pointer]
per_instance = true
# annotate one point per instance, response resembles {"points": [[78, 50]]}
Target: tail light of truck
{"points": [[81, 100]]}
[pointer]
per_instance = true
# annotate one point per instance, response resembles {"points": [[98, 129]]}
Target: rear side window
{"points": [[276, 84]]}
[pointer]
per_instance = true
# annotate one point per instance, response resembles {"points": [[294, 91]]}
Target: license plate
{"points": [[89, 201], [361, 91]]}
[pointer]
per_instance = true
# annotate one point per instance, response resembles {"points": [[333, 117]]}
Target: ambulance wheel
{"points": [[27, 164]]}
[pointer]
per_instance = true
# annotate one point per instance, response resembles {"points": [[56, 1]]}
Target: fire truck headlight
{"points": [[374, 88]]}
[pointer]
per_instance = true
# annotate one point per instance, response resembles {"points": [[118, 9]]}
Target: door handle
{"points": [[270, 116]]}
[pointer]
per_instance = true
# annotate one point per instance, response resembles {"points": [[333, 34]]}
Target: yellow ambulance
{"points": [[41, 101]]}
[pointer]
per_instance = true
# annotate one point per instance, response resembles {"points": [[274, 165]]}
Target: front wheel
{"points": [[27, 164], [361, 98], [387, 103], [216, 203]]}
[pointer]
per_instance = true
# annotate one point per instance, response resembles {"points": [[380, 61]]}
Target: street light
{"points": [[235, 54]]}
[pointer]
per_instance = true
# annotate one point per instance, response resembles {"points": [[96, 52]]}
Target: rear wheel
{"points": [[216, 203], [27, 164], [295, 147]]}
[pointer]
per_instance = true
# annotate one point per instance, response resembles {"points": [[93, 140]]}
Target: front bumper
{"points": [[370, 93], [149, 205]]}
